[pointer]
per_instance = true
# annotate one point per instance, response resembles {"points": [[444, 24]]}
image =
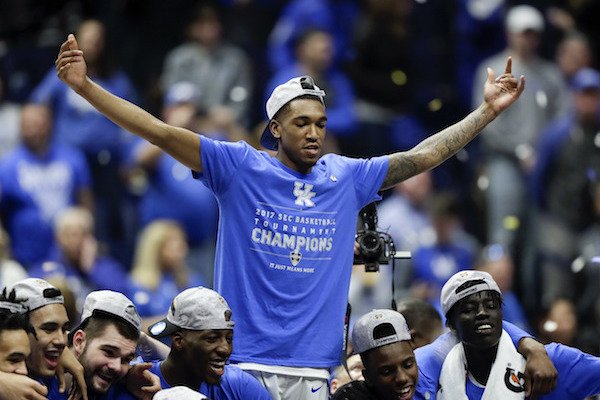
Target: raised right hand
{"points": [[70, 64]]}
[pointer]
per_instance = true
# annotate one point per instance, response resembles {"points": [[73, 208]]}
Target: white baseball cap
{"points": [[107, 302], [196, 309], [282, 95], [455, 289], [522, 18], [379, 328], [36, 293], [178, 393]]}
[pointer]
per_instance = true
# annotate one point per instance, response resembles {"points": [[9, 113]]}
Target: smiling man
{"points": [[472, 303], [105, 341], [48, 317], [201, 328], [383, 340]]}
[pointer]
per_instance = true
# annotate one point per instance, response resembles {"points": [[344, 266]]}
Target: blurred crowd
{"points": [[88, 206]]}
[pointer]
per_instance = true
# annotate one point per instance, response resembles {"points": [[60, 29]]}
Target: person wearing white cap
{"points": [[287, 218], [200, 325], [508, 145], [105, 342], [383, 340], [472, 303]]}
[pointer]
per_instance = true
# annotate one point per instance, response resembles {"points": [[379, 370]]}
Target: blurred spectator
{"points": [[9, 122], [559, 323], [423, 320], [10, 270], [39, 179], [480, 34], [169, 182], [452, 251], [573, 54], [78, 260], [562, 181], [78, 124], [508, 143], [333, 16], [386, 81], [314, 57], [340, 376], [159, 270], [494, 260], [221, 72]]}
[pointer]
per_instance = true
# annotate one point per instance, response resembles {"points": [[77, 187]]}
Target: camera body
{"points": [[374, 247]]}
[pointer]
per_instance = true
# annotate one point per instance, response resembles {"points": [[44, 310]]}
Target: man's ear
{"points": [[177, 341], [335, 385], [413, 343], [79, 340], [275, 128]]}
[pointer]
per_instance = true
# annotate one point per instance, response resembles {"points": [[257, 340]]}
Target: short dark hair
{"points": [[12, 322], [420, 315], [98, 323]]}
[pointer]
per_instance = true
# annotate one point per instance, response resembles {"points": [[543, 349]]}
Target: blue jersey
{"points": [[235, 385], [34, 190], [285, 249], [578, 372], [52, 385]]}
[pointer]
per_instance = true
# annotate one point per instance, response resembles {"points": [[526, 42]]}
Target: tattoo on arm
{"points": [[436, 149]]}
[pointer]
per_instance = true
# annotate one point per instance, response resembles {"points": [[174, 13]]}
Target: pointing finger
{"points": [[508, 69]]}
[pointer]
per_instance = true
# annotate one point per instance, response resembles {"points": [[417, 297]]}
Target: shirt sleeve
{"points": [[220, 161], [578, 372], [368, 177], [430, 359]]}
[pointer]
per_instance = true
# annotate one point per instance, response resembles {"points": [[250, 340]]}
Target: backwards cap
{"points": [[36, 293], [283, 94], [196, 309], [107, 302], [379, 328], [455, 289]]}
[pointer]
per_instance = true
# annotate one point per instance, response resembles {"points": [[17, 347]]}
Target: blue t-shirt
{"points": [[52, 385], [578, 372], [235, 385], [33, 191], [285, 249]]}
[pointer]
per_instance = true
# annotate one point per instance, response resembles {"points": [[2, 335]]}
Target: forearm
{"points": [[437, 148], [180, 143]]}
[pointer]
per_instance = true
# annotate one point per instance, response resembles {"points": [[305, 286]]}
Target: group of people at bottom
{"points": [[480, 357]]}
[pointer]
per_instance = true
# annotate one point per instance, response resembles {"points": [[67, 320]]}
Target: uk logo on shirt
{"points": [[304, 194]]}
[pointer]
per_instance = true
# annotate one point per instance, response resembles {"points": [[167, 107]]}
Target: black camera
{"points": [[374, 247]]}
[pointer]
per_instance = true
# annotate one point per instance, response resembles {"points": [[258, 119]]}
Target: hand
{"points": [[68, 362], [19, 387], [499, 93], [540, 373], [70, 64], [142, 383]]}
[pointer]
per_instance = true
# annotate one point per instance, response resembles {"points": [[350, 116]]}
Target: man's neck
{"points": [[479, 362], [178, 374]]}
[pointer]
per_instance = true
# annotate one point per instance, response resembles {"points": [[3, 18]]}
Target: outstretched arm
{"points": [[182, 144], [499, 94]]}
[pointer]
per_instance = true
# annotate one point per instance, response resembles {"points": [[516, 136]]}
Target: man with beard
{"points": [[485, 364], [105, 342], [200, 325]]}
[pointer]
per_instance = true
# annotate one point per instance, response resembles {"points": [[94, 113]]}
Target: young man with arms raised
{"points": [[200, 325], [287, 222]]}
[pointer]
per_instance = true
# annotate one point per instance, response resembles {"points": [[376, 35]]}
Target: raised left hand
{"points": [[500, 92]]}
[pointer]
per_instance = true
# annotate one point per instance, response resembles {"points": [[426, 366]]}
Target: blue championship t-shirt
{"points": [[235, 385], [285, 249]]}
